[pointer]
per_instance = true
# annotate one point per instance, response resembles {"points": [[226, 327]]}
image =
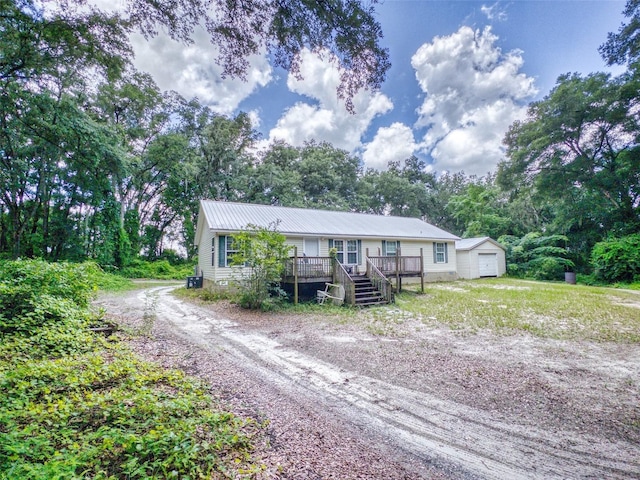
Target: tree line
{"points": [[99, 163]]}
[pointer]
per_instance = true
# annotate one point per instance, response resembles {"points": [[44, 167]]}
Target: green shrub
{"points": [[537, 256], [263, 252], [617, 259], [109, 415], [75, 282], [44, 309], [75, 406], [161, 269]]}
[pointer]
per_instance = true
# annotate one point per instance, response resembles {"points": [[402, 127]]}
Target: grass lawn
{"points": [[507, 306]]}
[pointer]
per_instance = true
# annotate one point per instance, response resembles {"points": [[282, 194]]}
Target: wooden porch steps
{"points": [[366, 294]]}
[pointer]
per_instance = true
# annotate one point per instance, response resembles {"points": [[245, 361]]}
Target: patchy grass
{"points": [[387, 321], [211, 295], [555, 310], [205, 295]]}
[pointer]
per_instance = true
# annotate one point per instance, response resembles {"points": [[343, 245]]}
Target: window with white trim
{"points": [[226, 248], [390, 248], [440, 252], [339, 246], [231, 249], [352, 252], [348, 252]]}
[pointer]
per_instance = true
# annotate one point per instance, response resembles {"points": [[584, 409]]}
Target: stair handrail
{"points": [[342, 276], [378, 280]]}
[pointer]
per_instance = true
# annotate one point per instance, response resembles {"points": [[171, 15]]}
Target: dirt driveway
{"points": [[353, 399]]}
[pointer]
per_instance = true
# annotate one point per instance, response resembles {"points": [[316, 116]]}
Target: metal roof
{"points": [[234, 217], [471, 243]]}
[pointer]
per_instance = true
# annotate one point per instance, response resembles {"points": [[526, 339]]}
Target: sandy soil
{"points": [[384, 396]]}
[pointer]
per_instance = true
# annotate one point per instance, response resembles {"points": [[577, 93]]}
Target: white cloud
{"points": [[254, 116], [192, 72], [326, 119], [190, 69], [494, 12], [390, 143], [474, 92]]}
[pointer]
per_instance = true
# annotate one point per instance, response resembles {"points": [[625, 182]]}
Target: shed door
{"points": [[488, 264]]}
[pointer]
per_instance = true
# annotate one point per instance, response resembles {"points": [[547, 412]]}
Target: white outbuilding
{"points": [[480, 257]]}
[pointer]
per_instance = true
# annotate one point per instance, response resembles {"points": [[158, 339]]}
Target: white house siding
{"points": [[438, 272], [206, 267], [464, 265], [213, 274]]}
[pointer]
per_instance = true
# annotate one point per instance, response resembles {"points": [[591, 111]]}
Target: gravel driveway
{"points": [[363, 399]]}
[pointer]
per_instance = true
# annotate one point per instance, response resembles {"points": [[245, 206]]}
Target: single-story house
{"points": [[364, 243], [480, 257]]}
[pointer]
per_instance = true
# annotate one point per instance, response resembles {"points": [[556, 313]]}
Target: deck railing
{"points": [[379, 281], [397, 264], [309, 267], [343, 277]]}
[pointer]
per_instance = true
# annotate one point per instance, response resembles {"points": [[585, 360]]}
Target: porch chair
{"points": [[333, 291]]}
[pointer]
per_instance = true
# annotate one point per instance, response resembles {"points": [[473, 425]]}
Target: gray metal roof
{"points": [[471, 243], [233, 217]]}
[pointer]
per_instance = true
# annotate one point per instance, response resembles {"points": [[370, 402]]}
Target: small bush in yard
{"points": [[76, 406], [260, 255]]}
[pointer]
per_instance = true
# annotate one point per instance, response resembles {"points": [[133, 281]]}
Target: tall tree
{"points": [[54, 156], [624, 46], [578, 151], [482, 208]]}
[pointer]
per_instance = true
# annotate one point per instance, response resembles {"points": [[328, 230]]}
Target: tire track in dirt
{"points": [[427, 427]]}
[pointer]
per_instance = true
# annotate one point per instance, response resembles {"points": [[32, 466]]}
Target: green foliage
{"points": [[44, 308], [73, 282], [482, 209], [617, 259], [261, 252], [537, 256], [162, 270], [75, 406], [108, 415], [623, 46], [576, 161]]}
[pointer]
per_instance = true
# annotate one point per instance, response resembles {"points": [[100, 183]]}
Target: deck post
{"points": [[398, 284], [334, 273], [295, 275], [421, 271], [365, 260]]}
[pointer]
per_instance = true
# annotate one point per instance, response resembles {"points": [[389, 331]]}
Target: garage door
{"points": [[488, 264]]}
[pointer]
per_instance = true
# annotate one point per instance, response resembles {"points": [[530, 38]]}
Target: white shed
{"points": [[480, 257]]}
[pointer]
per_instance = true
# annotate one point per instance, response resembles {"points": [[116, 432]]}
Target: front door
{"points": [[310, 247]]}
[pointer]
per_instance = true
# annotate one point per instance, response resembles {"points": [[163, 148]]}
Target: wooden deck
{"points": [[308, 270], [379, 270], [404, 266]]}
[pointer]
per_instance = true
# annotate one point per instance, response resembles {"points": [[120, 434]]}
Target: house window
{"points": [[348, 252], [440, 252], [230, 250], [213, 252], [226, 249], [339, 246], [390, 248], [352, 252]]}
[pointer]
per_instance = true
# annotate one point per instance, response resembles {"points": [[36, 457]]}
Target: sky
{"points": [[462, 72]]}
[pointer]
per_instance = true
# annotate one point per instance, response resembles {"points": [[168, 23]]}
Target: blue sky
{"points": [[462, 72]]}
